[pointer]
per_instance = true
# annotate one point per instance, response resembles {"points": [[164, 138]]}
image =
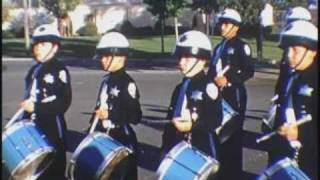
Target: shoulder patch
{"points": [[48, 78], [247, 49], [63, 76], [212, 91], [132, 90], [305, 90]]}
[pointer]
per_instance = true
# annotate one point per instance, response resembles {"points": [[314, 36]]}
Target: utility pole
{"points": [[162, 20], [26, 25]]}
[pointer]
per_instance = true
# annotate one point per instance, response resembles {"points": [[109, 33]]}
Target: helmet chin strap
{"points": [[226, 35], [47, 55], [301, 59], [193, 66], [112, 58]]}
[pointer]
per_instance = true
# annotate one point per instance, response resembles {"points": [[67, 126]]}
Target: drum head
{"points": [[117, 166], [33, 166]]}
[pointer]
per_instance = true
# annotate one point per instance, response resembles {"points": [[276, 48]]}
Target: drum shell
{"points": [[186, 162], [22, 144], [94, 154], [284, 169]]}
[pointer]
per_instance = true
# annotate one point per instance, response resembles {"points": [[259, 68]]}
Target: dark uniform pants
{"points": [[54, 127], [126, 136]]}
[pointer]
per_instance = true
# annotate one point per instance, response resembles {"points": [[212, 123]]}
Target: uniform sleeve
{"points": [[130, 101], [28, 81], [61, 99], [211, 113], [212, 70], [246, 66], [172, 103], [97, 103]]}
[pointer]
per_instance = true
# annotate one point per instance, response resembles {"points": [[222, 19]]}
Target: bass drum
{"points": [[285, 169], [26, 151], [188, 163], [99, 156]]}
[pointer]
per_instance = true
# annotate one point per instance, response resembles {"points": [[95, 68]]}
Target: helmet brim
{"points": [[192, 51], [38, 39], [228, 20], [287, 41]]}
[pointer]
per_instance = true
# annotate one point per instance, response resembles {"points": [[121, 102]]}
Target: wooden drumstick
{"points": [[299, 122], [94, 124], [14, 117], [223, 71]]}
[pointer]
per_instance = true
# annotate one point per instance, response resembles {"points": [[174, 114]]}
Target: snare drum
{"points": [[26, 152], [99, 156], [186, 162], [285, 169]]}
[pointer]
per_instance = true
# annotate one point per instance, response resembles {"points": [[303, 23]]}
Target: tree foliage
{"points": [[166, 8], [60, 7], [248, 9], [206, 5]]}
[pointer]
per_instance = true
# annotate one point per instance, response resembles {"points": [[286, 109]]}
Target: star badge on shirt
{"points": [[48, 78], [196, 95], [115, 91]]}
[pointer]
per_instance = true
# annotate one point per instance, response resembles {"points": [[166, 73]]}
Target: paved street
{"points": [[155, 84]]}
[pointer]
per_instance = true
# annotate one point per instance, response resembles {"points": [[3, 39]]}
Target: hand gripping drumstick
{"points": [[223, 71], [269, 135], [14, 117]]}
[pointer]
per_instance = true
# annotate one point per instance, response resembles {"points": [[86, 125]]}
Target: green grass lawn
{"points": [[141, 47]]}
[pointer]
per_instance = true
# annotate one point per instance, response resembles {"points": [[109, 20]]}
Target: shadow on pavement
{"points": [[149, 157], [73, 140]]}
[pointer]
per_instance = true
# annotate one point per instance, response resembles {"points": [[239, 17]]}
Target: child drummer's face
{"points": [[190, 66], [113, 63], [44, 51], [299, 57]]}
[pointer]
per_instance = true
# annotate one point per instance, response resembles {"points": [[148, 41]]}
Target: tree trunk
{"points": [[207, 24], [26, 26], [176, 28], [162, 33]]}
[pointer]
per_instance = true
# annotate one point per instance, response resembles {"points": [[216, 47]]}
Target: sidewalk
{"points": [[262, 69]]}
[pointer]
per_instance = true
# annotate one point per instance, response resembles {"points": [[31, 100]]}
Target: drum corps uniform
{"points": [[203, 102], [124, 108], [48, 84], [236, 54], [298, 93]]}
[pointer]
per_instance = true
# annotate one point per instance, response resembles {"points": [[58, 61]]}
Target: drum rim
{"points": [[87, 140], [277, 166], [176, 150], [110, 157], [168, 159], [31, 157], [14, 127]]}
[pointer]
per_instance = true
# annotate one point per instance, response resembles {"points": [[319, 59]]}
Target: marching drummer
{"points": [[48, 95], [293, 14], [118, 98], [235, 53], [195, 108], [298, 99]]}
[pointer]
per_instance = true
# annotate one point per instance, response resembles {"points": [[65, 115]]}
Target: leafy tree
{"points": [[60, 8], [166, 8], [207, 6]]}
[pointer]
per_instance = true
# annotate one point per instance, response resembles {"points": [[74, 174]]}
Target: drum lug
{"points": [[43, 136]]}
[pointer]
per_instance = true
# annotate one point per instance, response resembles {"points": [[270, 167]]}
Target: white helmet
{"points": [[193, 43], [297, 13], [299, 33], [46, 33], [230, 15], [113, 43]]}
